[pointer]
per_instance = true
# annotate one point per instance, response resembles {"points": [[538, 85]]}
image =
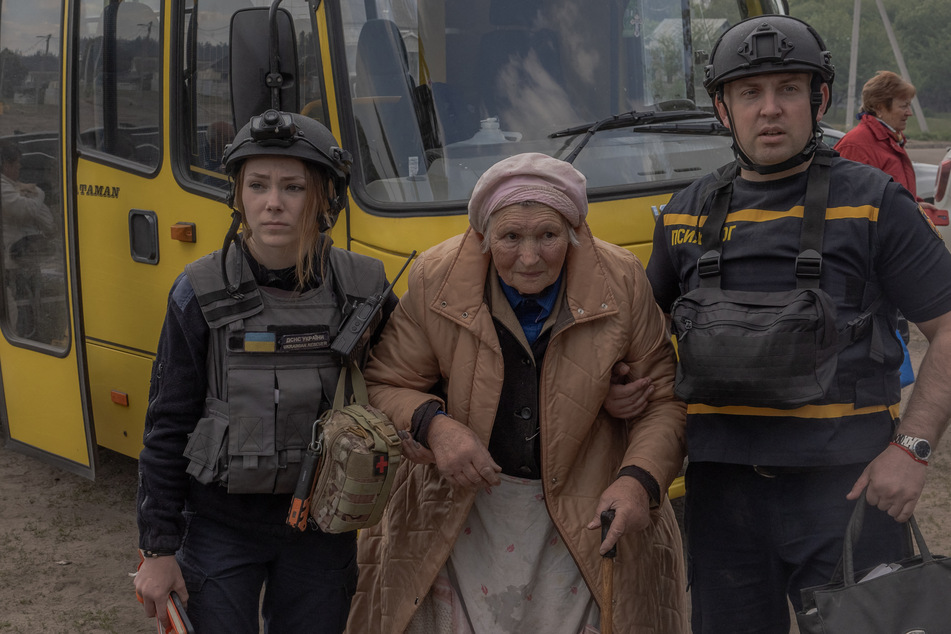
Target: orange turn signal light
{"points": [[183, 231]]}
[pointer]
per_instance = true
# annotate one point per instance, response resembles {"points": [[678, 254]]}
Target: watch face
{"points": [[922, 449]]}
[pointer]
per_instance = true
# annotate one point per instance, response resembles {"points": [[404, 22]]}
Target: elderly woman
{"points": [[498, 360]]}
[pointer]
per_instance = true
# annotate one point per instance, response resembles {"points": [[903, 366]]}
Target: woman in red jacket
{"points": [[879, 140]]}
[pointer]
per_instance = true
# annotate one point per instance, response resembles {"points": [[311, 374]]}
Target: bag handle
{"points": [[855, 529], [358, 383]]}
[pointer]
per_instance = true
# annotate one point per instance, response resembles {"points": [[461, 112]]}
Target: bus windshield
{"points": [[442, 89]]}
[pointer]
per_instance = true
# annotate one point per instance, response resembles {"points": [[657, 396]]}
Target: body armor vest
{"points": [[270, 369]]}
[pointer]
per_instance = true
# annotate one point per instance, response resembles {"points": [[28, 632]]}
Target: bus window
{"points": [[439, 90], [120, 80], [34, 304], [206, 82]]}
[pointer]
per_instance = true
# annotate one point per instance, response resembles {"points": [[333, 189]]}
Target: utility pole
{"points": [[47, 37], [853, 65], [922, 124]]}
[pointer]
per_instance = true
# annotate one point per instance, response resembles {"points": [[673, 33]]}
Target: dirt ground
{"points": [[67, 545], [67, 548]]}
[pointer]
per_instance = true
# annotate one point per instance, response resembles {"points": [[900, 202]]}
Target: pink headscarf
{"points": [[532, 176]]}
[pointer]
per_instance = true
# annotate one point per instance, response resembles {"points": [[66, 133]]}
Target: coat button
{"points": [[581, 311], [524, 413], [465, 315]]}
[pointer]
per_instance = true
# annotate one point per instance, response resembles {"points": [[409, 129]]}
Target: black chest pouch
{"points": [[762, 349]]}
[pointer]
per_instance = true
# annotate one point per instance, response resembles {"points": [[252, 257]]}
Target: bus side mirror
{"points": [[264, 67]]}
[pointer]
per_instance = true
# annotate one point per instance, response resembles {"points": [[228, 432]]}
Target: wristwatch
{"points": [[919, 447]]}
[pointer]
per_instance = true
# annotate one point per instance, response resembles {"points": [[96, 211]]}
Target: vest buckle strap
{"points": [[709, 264], [809, 264]]}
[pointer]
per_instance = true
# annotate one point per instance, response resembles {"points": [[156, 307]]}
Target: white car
{"points": [[942, 192]]}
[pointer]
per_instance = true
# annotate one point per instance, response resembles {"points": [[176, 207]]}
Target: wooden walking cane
{"points": [[607, 576]]}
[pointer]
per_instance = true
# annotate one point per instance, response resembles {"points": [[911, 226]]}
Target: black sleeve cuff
{"points": [[647, 481], [422, 418], [152, 554]]}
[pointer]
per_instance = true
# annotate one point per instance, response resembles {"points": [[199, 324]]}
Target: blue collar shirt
{"points": [[532, 310]]}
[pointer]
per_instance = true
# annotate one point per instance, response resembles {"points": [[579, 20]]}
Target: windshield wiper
{"points": [[635, 119], [688, 127]]}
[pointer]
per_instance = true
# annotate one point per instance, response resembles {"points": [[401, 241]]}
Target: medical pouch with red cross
{"points": [[359, 455]]}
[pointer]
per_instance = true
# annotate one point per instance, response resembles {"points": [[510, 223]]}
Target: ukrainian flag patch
{"points": [[260, 342]]}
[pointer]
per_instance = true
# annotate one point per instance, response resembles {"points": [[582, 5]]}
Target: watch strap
{"points": [[910, 453], [911, 445]]}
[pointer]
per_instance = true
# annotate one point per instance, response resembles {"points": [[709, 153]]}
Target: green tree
{"points": [[925, 44], [921, 31]]}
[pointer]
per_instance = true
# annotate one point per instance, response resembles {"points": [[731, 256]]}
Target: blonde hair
{"points": [[880, 91], [319, 193]]}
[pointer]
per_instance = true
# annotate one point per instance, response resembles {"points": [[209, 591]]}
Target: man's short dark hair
{"points": [[9, 152]]}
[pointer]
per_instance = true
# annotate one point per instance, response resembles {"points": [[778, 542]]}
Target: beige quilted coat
{"points": [[442, 334]]}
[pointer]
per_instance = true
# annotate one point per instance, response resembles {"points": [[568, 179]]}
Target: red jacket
{"points": [[870, 142]]}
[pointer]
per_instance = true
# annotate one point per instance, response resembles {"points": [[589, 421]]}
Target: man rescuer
{"points": [[782, 444]]}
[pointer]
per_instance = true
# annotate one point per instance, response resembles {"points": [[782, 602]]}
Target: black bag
{"points": [[756, 349], [762, 349], [913, 598]]}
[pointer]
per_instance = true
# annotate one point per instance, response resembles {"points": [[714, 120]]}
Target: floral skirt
{"points": [[509, 572]]}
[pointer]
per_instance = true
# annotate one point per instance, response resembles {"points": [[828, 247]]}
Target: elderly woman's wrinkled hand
{"points": [[627, 398], [460, 456], [413, 451], [631, 506]]}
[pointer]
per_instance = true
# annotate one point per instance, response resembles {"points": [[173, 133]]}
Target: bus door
{"points": [[126, 256], [41, 396]]}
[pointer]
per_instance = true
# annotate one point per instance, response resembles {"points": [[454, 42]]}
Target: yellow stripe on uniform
{"points": [[868, 212], [834, 410]]}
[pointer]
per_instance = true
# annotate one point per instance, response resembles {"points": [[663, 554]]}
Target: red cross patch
{"points": [[380, 464]]}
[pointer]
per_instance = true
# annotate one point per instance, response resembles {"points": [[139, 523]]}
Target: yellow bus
{"points": [[114, 113]]}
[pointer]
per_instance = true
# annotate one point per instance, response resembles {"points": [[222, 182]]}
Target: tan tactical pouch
{"points": [[358, 453]]}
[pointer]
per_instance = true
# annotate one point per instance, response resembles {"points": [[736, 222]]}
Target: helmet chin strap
{"points": [[230, 237], [796, 160], [803, 156]]}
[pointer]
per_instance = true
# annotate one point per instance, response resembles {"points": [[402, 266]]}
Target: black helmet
{"points": [[771, 44], [276, 133], [767, 44]]}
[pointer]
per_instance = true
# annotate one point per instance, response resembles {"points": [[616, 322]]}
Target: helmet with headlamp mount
{"points": [[771, 44], [276, 133], [767, 44]]}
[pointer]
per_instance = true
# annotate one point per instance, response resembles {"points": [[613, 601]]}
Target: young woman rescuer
{"points": [[242, 371]]}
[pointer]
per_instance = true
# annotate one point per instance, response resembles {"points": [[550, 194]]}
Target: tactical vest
{"points": [[270, 370]]}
